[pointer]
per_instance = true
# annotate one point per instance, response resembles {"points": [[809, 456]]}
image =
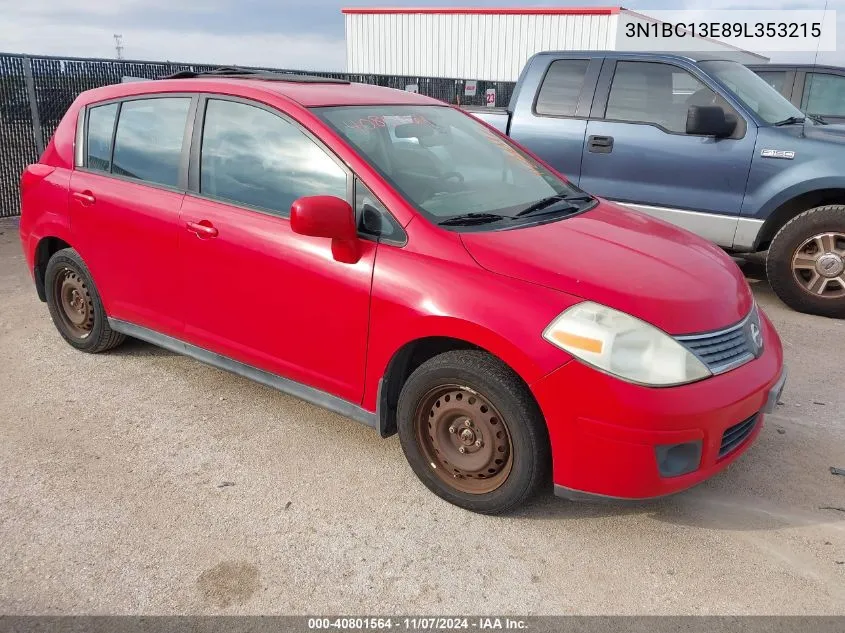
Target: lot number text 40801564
{"points": [[418, 623]]}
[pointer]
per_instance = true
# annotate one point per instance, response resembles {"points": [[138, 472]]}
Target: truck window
{"points": [[657, 93], [561, 87], [775, 78], [757, 95], [824, 93]]}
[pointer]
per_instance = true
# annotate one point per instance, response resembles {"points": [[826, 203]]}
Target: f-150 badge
{"points": [[778, 153]]}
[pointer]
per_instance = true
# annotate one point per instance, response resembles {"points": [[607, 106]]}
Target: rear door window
{"points": [[561, 87], [100, 130], [148, 143]]}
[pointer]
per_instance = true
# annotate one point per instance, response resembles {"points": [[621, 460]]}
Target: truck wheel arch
{"points": [[791, 208]]}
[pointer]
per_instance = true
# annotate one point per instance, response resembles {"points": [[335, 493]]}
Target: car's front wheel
{"points": [[806, 262], [472, 432], [75, 305]]}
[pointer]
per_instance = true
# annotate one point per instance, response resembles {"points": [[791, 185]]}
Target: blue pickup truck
{"points": [[703, 143]]}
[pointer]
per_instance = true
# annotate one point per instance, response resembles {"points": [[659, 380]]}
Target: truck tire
{"points": [[806, 262], [75, 305], [473, 433]]}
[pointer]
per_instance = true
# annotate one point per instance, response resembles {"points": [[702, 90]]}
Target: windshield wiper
{"points": [[790, 121], [544, 204], [468, 219], [818, 119]]}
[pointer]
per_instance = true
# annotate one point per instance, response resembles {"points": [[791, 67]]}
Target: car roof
{"points": [[306, 93]]}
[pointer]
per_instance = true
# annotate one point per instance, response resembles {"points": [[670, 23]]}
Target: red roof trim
{"points": [[488, 10]]}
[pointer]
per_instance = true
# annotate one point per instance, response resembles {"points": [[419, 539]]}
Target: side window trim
{"points": [[602, 98], [799, 87], [80, 153], [113, 137], [182, 185], [401, 239], [194, 161], [602, 92]]}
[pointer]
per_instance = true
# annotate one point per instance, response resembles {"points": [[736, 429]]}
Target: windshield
{"points": [[753, 91], [451, 167]]}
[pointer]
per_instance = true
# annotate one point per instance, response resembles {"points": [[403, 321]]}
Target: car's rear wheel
{"points": [[75, 305], [806, 262], [472, 432]]}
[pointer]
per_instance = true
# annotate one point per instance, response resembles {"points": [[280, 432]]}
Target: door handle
{"points": [[600, 144], [202, 229], [85, 198]]}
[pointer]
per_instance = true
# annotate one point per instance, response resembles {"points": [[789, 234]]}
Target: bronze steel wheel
{"points": [[76, 309], [464, 438], [472, 432], [75, 305]]}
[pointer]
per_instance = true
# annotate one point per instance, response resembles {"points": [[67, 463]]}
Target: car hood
{"points": [[626, 260]]}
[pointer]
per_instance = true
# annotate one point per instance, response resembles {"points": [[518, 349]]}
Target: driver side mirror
{"points": [[331, 217], [709, 121]]}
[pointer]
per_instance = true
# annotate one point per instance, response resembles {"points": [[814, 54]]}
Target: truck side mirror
{"points": [[709, 121]]}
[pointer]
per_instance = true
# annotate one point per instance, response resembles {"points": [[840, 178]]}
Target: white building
{"points": [[491, 43]]}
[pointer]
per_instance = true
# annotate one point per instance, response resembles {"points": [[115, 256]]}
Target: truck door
{"points": [[553, 125], [637, 151]]}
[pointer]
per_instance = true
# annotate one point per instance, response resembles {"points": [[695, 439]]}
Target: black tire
{"points": [[488, 377], [93, 334], [786, 244]]}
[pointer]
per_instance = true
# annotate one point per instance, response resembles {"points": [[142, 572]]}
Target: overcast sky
{"points": [[278, 33]]}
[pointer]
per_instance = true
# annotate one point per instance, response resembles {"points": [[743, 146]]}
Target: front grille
{"points": [[735, 435], [726, 349]]}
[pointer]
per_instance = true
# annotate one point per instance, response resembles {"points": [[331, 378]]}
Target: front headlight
{"points": [[624, 346]]}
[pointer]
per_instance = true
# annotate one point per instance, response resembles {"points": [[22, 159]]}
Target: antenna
{"points": [[815, 62], [118, 45]]}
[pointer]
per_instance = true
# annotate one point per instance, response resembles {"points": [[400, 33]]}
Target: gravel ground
{"points": [[140, 481]]}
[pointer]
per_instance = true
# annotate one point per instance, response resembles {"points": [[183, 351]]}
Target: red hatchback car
{"points": [[393, 259]]}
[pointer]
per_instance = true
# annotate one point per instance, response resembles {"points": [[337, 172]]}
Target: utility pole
{"points": [[118, 45]]}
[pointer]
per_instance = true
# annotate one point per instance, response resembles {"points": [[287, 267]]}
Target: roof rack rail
{"points": [[251, 73]]}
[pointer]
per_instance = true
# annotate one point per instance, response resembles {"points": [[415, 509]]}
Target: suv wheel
{"points": [[472, 432], [75, 304], [806, 262]]}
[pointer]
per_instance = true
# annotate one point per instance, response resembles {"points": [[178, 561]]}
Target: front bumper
{"points": [[604, 431]]}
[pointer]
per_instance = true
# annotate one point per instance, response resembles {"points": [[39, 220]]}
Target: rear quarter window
{"points": [[561, 87], [98, 144]]}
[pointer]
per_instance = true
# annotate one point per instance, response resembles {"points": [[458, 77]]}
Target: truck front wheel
{"points": [[806, 262]]}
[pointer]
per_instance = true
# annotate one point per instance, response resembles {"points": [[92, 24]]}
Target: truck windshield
{"points": [[753, 91], [453, 169]]}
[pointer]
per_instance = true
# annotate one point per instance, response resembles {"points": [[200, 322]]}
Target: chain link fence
{"points": [[36, 91]]}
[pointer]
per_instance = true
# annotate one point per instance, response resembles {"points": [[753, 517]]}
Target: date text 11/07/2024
{"points": [[418, 623]]}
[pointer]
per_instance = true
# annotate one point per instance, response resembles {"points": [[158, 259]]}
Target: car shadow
{"points": [[137, 347], [753, 266], [702, 507]]}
